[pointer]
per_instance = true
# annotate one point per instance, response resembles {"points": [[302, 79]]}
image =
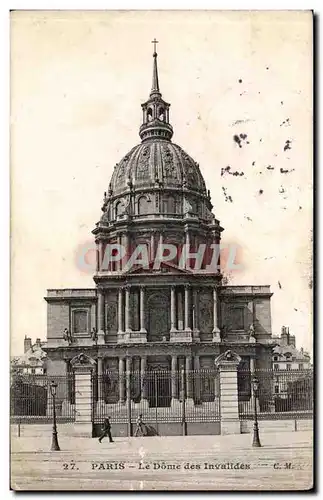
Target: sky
{"points": [[77, 83]]}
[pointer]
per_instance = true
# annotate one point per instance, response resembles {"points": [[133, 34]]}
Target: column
{"points": [[216, 329], [187, 249], [189, 377], [101, 256], [122, 397], [120, 310], [127, 311], [197, 382], [125, 241], [97, 257], [152, 246], [195, 315], [100, 381], [172, 309], [194, 311], [180, 310], [100, 310], [142, 310], [187, 307], [227, 364], [128, 378], [174, 379], [144, 381], [118, 263], [160, 244]]}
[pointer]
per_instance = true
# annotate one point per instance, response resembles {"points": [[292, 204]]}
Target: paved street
{"points": [[167, 463]]}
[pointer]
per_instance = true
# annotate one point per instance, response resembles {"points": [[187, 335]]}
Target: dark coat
{"points": [[106, 424]]}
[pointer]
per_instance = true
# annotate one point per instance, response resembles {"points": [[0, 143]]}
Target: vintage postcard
{"points": [[161, 270]]}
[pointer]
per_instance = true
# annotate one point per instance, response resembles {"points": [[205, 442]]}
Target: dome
{"points": [[157, 178], [156, 162]]}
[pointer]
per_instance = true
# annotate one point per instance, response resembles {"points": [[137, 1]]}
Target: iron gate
{"points": [[160, 396]]}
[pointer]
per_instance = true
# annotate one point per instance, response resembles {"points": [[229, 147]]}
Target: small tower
{"points": [[155, 110]]}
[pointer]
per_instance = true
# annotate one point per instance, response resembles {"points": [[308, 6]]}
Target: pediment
{"points": [[228, 357], [164, 268], [82, 361]]}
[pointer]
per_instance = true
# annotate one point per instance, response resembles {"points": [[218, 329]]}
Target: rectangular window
{"points": [[276, 389], [237, 318], [276, 367], [288, 367], [301, 366]]}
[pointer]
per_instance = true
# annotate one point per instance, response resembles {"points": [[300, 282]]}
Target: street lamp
{"points": [[256, 441], [55, 446]]}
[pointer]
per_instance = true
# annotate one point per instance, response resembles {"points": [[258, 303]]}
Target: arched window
{"points": [[161, 114], [118, 207], [143, 205], [149, 114]]}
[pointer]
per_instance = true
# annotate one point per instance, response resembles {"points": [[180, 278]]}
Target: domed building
{"points": [[166, 313]]}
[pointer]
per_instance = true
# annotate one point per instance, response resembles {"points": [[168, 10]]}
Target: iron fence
{"points": [[159, 396], [31, 400], [162, 396], [282, 394]]}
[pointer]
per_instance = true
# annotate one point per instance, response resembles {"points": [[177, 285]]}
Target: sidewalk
{"points": [[163, 444], [167, 463]]}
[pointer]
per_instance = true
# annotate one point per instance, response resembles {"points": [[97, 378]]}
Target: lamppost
{"points": [[256, 441], [55, 446]]}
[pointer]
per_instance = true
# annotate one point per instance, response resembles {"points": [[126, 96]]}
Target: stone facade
{"points": [[169, 317]]}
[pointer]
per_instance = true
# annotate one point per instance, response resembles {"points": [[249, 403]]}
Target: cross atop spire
{"points": [[155, 84], [154, 41]]}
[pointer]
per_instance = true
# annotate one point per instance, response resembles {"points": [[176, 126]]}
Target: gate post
{"points": [[83, 367], [227, 364]]}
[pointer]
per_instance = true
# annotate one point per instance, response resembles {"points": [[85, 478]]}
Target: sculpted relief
{"points": [[111, 311], [158, 316], [143, 163], [168, 160], [206, 312]]}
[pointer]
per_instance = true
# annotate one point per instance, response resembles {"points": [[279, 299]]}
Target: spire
{"points": [[155, 111], [155, 84]]}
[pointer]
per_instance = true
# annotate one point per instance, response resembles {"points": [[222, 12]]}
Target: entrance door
{"points": [[159, 383]]}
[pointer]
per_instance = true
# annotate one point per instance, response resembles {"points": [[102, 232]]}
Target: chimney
{"points": [[27, 343], [283, 336], [292, 340]]}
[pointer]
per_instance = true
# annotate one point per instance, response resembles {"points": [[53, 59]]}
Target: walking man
{"points": [[106, 430], [140, 426]]}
